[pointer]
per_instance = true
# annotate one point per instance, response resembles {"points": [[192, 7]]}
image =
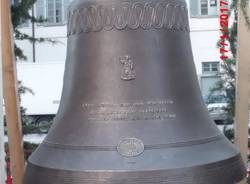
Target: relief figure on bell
{"points": [[128, 70]]}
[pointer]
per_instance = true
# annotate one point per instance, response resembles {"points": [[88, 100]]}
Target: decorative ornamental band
{"points": [[132, 15], [146, 147]]}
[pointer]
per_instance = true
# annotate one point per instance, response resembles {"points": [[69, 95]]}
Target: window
{"points": [[201, 8], [214, 67], [204, 7], [210, 67], [213, 3], [51, 11], [58, 11], [55, 11], [40, 9]]}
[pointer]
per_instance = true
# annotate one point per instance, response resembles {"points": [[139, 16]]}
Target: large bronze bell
{"points": [[131, 109]]}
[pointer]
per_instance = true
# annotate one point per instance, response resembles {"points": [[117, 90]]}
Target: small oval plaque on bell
{"points": [[130, 147]]}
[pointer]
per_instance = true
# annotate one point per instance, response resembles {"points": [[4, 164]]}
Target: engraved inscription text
{"points": [[149, 110]]}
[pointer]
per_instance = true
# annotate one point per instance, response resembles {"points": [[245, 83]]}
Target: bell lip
{"points": [[234, 159], [229, 170]]}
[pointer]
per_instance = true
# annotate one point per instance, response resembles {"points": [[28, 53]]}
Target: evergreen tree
{"points": [[21, 14]]}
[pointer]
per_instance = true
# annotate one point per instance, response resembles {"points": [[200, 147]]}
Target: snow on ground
{"points": [[32, 138]]}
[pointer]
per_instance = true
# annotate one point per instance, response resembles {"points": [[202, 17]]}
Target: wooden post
{"points": [[10, 96], [2, 153], [242, 88]]}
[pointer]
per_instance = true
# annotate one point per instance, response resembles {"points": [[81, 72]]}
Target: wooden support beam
{"points": [[242, 88], [2, 154], [10, 96]]}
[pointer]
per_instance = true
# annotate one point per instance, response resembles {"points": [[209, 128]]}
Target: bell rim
{"points": [[231, 170]]}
